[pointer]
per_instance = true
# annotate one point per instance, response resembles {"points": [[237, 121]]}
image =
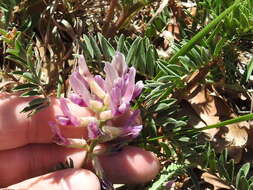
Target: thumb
{"points": [[69, 179]]}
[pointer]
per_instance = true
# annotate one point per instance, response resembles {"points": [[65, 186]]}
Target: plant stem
{"points": [[89, 153], [223, 123]]}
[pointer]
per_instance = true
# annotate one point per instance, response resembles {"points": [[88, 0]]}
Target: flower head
{"points": [[108, 98]]}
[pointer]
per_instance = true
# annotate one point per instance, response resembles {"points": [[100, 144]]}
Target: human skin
{"points": [[28, 155]]}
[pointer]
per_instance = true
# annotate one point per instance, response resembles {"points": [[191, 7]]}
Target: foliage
{"points": [[144, 62], [227, 170], [39, 54]]}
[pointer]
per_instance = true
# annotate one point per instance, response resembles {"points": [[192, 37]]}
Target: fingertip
{"points": [[81, 179], [131, 165], [77, 179]]}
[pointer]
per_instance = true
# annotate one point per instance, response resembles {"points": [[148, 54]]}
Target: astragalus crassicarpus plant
{"points": [[113, 121]]}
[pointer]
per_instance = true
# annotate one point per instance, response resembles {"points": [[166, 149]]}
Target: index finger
{"points": [[16, 129]]}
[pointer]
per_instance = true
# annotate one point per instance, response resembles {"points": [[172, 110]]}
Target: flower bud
{"points": [[77, 143], [107, 100], [113, 132], [96, 89], [86, 120], [95, 105], [106, 115]]}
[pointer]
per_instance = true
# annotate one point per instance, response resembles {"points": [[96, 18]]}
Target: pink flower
{"points": [[58, 138], [108, 98]]}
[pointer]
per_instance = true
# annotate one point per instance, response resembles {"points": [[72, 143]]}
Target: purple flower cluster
{"points": [[107, 98]]}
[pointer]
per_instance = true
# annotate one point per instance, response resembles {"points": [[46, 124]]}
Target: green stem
{"points": [[217, 125], [89, 153], [223, 123]]}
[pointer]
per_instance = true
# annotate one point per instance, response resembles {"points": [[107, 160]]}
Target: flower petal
{"points": [[58, 138], [123, 108], [137, 89], [86, 120], [115, 96], [79, 87], [133, 119], [130, 86], [96, 89], [100, 81], [63, 120], [76, 99], [131, 128], [66, 112], [119, 64], [111, 76], [132, 132], [106, 115], [93, 130]]}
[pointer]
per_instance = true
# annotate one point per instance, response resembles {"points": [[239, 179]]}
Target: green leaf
{"points": [[24, 87], [20, 73], [150, 61], [249, 70], [140, 59], [166, 149], [231, 170], [32, 107], [13, 52], [132, 51], [29, 77], [162, 105], [38, 101], [3, 32], [88, 45], [30, 93], [97, 52], [152, 126], [219, 47], [158, 22], [184, 139], [166, 175], [243, 183], [167, 70], [243, 172], [222, 165], [107, 48], [150, 31], [121, 44], [17, 60], [212, 161], [250, 180], [244, 21], [250, 186]]}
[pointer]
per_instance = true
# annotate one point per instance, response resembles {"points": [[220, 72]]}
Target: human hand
{"points": [[27, 155]]}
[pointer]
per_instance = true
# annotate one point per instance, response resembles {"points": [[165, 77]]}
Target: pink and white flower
{"points": [[108, 98]]}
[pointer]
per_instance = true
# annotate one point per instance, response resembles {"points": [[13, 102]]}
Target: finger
{"points": [[131, 165], [65, 179], [16, 129], [34, 160]]}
